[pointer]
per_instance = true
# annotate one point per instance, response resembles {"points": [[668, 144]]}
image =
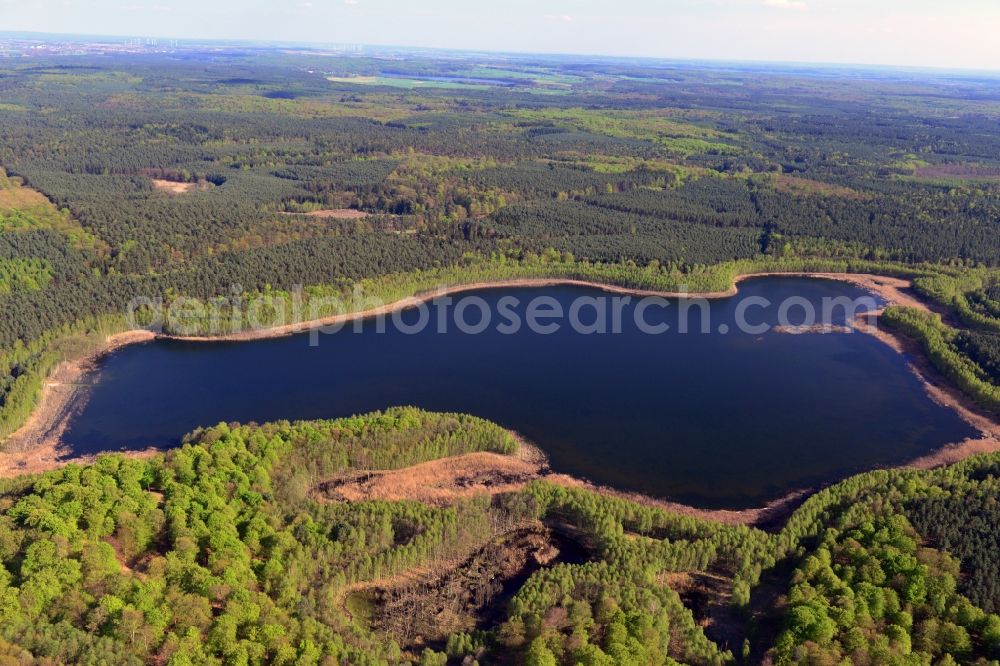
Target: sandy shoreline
{"points": [[943, 393], [413, 301], [444, 481], [891, 289], [37, 446]]}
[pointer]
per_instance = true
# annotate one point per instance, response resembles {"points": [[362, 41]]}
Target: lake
{"points": [[713, 419]]}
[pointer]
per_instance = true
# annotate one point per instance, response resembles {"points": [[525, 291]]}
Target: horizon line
{"points": [[314, 45]]}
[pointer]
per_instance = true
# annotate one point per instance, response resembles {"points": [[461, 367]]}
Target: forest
{"points": [[244, 173], [251, 171], [225, 551]]}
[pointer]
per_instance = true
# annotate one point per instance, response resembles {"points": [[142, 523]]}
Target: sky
{"points": [[922, 33]]}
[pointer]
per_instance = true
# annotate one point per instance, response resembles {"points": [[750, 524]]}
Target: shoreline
{"points": [[37, 446], [443, 481], [940, 391], [889, 288], [285, 330]]}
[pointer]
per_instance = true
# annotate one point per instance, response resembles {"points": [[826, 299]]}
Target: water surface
{"points": [[714, 420]]}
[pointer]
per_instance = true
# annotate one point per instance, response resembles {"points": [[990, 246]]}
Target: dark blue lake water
{"points": [[715, 420]]}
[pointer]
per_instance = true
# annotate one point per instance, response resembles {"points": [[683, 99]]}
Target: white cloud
{"points": [[799, 5], [350, 2], [566, 18]]}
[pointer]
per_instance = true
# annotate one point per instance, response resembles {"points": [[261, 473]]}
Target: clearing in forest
{"points": [[332, 213], [177, 187], [25, 209], [958, 172], [806, 186]]}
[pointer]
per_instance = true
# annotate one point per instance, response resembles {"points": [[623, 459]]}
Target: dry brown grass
{"points": [[808, 187], [14, 195], [173, 187], [23, 208], [958, 172], [438, 482], [445, 481], [335, 214]]}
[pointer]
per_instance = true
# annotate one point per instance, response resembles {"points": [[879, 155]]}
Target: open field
{"points": [[407, 83], [173, 187], [971, 172], [23, 209], [335, 214]]}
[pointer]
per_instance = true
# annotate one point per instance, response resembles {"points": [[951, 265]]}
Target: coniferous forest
{"points": [[227, 173]]}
